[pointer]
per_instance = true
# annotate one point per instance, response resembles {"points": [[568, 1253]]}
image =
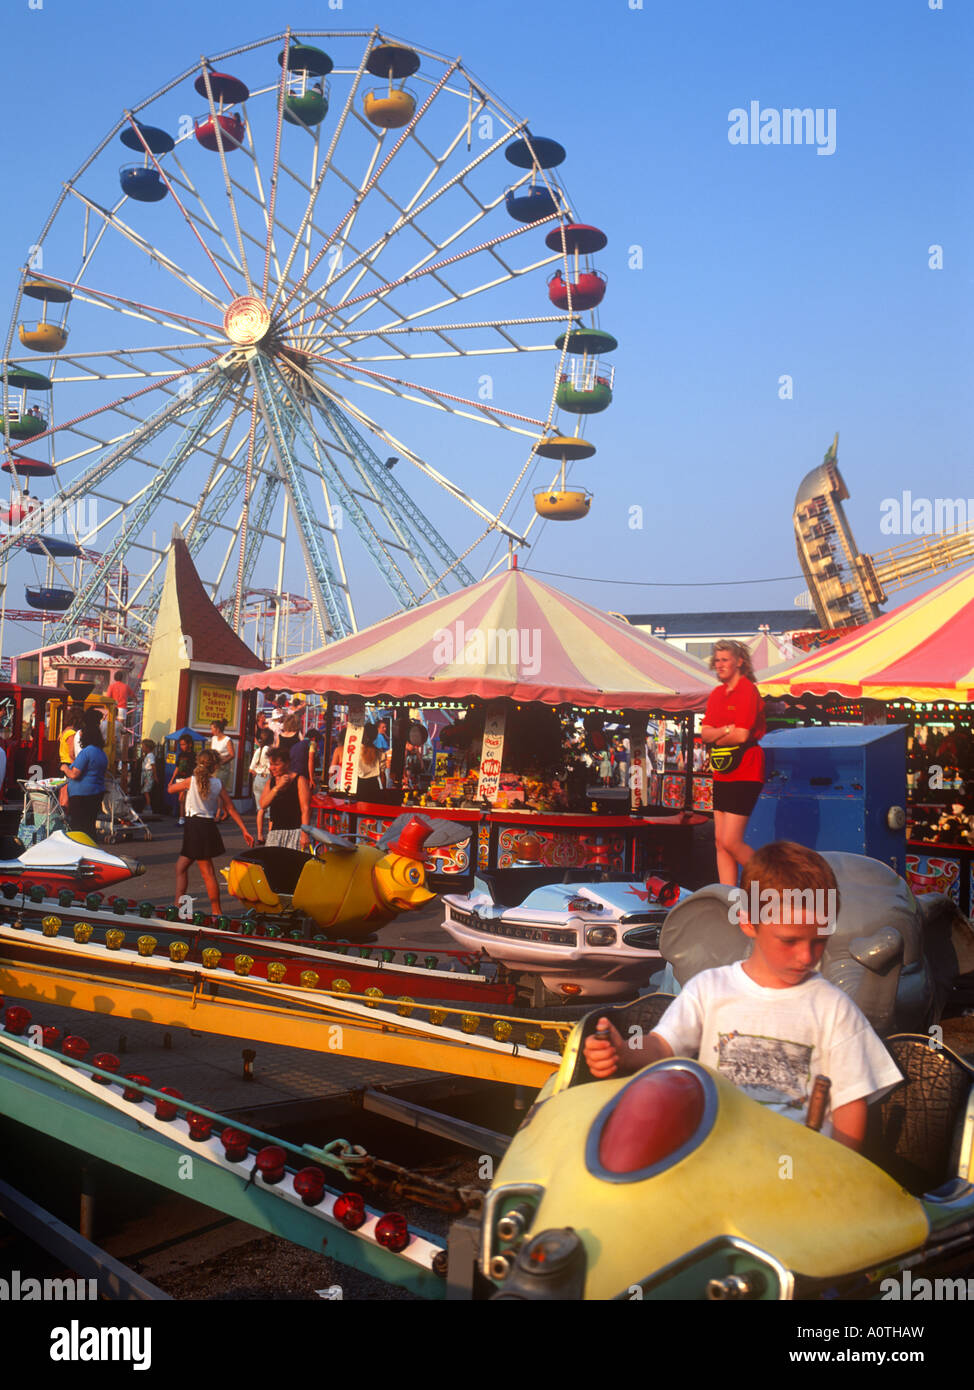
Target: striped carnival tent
{"points": [[921, 651], [508, 636], [766, 651]]}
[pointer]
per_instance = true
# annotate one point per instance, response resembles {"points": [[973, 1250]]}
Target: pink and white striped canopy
{"points": [[923, 650], [507, 636]]}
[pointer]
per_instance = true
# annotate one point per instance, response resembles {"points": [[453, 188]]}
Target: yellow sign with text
{"points": [[214, 702]]}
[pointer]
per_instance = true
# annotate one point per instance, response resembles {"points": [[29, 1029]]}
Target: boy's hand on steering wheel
{"points": [[602, 1054]]}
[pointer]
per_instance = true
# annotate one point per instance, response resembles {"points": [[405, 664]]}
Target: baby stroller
{"points": [[119, 819], [42, 813]]}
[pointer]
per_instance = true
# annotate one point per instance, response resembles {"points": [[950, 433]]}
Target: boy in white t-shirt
{"points": [[772, 1023]]}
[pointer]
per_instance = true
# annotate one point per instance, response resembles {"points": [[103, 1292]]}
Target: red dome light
{"points": [[309, 1184], [165, 1111], [270, 1163], [78, 1048], [17, 1019], [51, 1036], [130, 1093], [235, 1143], [392, 1231], [200, 1128], [105, 1061], [350, 1210], [655, 1116]]}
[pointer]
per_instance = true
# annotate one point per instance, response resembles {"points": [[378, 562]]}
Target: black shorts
{"points": [[737, 798], [201, 839]]}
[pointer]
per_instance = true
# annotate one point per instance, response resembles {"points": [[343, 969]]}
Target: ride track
{"points": [[337, 255]]}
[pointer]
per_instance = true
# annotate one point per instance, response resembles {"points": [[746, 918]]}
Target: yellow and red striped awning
{"points": [[922, 651], [509, 635]]}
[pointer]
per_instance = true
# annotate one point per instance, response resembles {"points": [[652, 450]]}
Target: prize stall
{"points": [[514, 709], [913, 666]]}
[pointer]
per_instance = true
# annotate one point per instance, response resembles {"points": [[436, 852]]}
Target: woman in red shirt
{"points": [[734, 717]]}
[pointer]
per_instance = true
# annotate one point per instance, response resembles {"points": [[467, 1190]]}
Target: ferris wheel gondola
{"points": [[305, 246]]}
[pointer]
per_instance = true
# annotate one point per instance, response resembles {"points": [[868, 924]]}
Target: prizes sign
{"points": [[637, 773], [214, 702], [353, 744], [491, 755]]}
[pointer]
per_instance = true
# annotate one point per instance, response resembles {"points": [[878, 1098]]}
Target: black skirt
{"points": [[201, 839]]}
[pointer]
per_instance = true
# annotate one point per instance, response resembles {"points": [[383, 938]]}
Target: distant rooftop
{"points": [[724, 624]]}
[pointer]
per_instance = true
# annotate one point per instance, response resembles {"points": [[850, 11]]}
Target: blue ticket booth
{"points": [[835, 789]]}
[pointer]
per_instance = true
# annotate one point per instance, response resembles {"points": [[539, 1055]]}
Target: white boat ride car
{"points": [[594, 940]]}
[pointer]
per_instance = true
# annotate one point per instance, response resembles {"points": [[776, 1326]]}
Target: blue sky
{"points": [[757, 262]]}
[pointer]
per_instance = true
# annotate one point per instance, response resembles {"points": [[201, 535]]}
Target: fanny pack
{"points": [[730, 757]]}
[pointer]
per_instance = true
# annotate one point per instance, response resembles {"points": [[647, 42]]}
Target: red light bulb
{"points": [[78, 1048], [392, 1231], [270, 1163], [130, 1093], [350, 1210], [235, 1144], [165, 1111], [200, 1128], [17, 1019], [309, 1184], [106, 1061], [51, 1036]]}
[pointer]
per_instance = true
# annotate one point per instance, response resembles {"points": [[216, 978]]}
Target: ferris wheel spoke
{"points": [[381, 547], [220, 463], [437, 400], [217, 129], [430, 472], [378, 172], [411, 211], [105, 299], [176, 198], [248, 484], [156, 257], [68, 425], [277, 303], [393, 501], [325, 589], [367, 258], [270, 488], [274, 180], [204, 412], [339, 552], [411, 276], [268, 214]]}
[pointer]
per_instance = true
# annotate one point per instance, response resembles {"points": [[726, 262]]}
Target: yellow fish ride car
{"points": [[347, 890]]}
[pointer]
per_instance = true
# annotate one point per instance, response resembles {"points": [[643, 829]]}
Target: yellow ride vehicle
{"points": [[347, 890], [673, 1184]]}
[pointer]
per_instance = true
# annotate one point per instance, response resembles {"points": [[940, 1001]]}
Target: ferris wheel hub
{"points": [[246, 321]]}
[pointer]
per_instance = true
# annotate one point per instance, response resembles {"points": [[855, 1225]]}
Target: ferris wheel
{"points": [[304, 322]]}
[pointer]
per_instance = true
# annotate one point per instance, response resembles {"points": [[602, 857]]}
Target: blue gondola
{"points": [[142, 181], [53, 545], [530, 204], [49, 599], [142, 184]]}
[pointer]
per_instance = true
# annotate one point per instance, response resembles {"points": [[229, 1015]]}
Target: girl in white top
{"points": [[206, 798]]}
